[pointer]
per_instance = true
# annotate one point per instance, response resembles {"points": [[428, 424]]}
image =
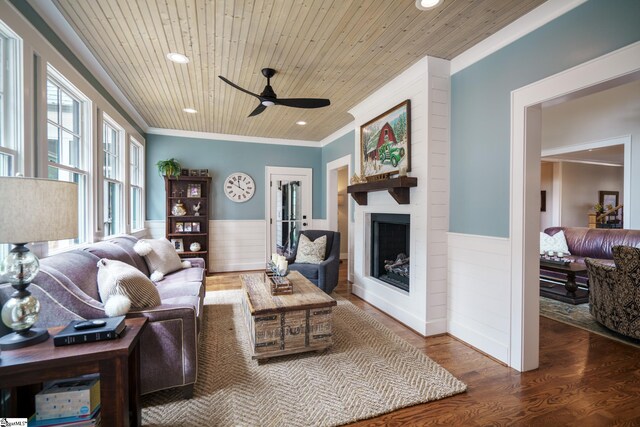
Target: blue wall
{"points": [[481, 95], [222, 158], [340, 147]]}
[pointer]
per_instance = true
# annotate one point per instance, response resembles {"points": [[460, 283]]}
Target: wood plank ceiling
{"points": [[338, 49]]}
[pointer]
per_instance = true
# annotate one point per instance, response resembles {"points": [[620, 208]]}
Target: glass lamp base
{"points": [[15, 340]]}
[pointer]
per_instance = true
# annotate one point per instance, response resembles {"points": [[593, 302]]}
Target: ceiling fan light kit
{"points": [[268, 97]]}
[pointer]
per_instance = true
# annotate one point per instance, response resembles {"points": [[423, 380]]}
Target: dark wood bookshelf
{"points": [[176, 190]]}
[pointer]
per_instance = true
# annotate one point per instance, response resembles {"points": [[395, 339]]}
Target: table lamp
{"points": [[31, 210]]}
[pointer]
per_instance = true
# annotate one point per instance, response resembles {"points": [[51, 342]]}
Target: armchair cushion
{"points": [[311, 252], [324, 274]]}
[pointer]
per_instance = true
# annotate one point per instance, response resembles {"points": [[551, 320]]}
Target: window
{"points": [[113, 174], [10, 100], [69, 147], [11, 112], [136, 184]]}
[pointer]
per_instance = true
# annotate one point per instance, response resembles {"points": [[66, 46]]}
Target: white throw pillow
{"points": [[160, 255], [311, 252], [555, 243], [119, 278]]}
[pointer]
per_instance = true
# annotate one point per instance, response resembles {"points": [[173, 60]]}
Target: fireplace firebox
{"points": [[390, 237]]}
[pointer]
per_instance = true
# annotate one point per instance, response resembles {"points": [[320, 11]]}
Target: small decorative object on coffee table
{"points": [[277, 269]]}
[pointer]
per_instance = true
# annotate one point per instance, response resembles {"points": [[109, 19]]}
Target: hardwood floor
{"points": [[584, 379]]}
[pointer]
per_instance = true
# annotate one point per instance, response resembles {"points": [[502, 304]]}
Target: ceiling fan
{"points": [[268, 97]]}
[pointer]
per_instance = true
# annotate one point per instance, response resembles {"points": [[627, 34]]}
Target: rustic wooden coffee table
{"points": [[286, 324]]}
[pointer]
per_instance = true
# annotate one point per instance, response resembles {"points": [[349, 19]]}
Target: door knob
{"points": [[304, 224]]}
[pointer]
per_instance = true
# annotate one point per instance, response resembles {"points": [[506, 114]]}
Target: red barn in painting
{"points": [[385, 135]]}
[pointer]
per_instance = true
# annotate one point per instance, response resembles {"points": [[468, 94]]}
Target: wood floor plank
{"points": [[584, 379]]}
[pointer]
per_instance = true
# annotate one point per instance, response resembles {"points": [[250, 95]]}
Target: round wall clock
{"points": [[239, 187]]}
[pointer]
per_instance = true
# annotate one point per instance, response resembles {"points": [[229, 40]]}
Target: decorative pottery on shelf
{"points": [[195, 247], [179, 209]]}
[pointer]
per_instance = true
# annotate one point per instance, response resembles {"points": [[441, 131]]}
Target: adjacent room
{"points": [[319, 213]]}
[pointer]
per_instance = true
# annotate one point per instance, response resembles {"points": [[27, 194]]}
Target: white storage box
{"points": [[68, 398]]}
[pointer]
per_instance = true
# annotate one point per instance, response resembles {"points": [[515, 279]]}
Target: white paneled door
{"points": [[288, 207]]}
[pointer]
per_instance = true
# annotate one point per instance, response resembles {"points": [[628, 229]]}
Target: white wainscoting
{"points": [[479, 297], [237, 245], [233, 245]]}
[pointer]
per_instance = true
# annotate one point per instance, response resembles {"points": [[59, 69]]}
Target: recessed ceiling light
{"points": [[427, 4], [301, 122], [177, 57], [189, 110]]}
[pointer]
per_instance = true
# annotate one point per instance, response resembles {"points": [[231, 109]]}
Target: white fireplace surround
{"points": [[424, 307]]}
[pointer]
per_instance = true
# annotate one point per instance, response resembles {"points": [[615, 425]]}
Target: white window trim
{"points": [[121, 179], [141, 185], [86, 142], [15, 125]]}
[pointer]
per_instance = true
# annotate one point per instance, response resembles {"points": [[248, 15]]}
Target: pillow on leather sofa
{"points": [[555, 243], [311, 252], [118, 279], [161, 257]]}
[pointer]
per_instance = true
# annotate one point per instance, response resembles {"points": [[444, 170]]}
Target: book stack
{"points": [[71, 402]]}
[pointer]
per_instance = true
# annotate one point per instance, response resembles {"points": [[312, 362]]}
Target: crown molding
{"points": [[229, 137], [522, 26], [337, 134]]}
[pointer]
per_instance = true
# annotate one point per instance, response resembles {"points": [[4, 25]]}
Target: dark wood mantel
{"points": [[397, 187]]}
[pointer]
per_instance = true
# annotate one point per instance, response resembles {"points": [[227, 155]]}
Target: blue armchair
{"points": [[325, 274]]}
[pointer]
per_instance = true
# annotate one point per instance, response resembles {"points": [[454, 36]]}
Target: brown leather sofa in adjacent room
{"points": [[595, 243]]}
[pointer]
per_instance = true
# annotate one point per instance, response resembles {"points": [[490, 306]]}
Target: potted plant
{"points": [[169, 167]]}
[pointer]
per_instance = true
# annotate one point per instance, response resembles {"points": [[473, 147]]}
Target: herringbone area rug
{"points": [[369, 371]]}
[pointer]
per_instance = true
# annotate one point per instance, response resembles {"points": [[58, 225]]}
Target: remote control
{"points": [[90, 324]]}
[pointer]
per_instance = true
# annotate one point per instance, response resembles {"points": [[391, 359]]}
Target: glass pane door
{"points": [[288, 217]]}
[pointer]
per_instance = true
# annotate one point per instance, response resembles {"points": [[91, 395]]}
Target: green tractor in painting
{"points": [[387, 152]]}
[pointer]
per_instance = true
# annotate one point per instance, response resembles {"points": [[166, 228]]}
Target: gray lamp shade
{"points": [[37, 210]]}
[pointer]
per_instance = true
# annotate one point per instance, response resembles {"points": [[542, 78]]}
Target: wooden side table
{"points": [[117, 361]]}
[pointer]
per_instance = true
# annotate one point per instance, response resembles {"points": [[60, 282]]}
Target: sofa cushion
{"points": [[160, 255], [179, 288], [189, 300], [555, 243], [119, 278], [311, 252]]}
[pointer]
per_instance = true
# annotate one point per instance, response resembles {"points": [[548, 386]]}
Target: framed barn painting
{"points": [[385, 142]]}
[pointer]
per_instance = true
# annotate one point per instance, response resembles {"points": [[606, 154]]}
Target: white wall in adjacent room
{"points": [[581, 184], [601, 116]]}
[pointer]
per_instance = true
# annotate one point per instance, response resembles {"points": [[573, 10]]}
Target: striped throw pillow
{"points": [[119, 278]]}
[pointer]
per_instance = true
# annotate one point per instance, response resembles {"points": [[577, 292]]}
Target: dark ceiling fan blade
{"points": [[259, 109], [238, 87], [303, 102]]}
